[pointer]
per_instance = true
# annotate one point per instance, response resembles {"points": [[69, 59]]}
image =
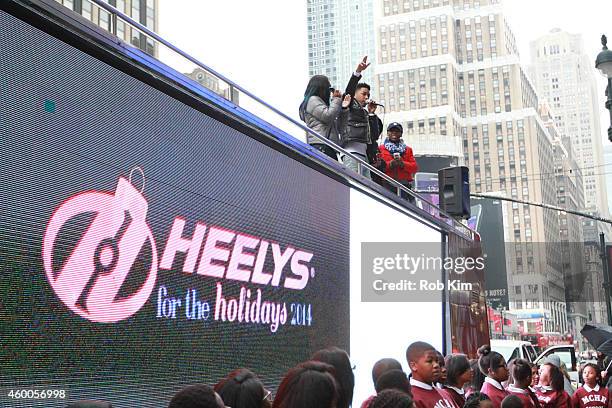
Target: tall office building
{"points": [[570, 195], [143, 11], [565, 76], [340, 34], [449, 71], [607, 168]]}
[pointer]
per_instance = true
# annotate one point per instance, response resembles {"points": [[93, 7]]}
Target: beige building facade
{"points": [[449, 71]]}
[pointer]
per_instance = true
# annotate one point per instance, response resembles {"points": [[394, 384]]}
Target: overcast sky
{"points": [[261, 45]]}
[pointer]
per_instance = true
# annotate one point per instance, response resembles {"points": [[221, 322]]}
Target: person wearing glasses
{"points": [[324, 111], [493, 365], [243, 389]]}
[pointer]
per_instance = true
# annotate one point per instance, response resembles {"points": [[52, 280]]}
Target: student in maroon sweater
{"points": [[493, 365], [550, 390], [521, 377], [425, 369], [458, 373], [591, 394]]}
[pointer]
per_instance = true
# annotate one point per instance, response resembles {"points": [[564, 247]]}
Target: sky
{"points": [[261, 45]]}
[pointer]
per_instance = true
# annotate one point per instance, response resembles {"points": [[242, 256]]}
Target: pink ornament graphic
{"points": [[100, 254]]}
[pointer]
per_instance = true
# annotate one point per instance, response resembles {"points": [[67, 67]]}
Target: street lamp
{"points": [[604, 64], [501, 310]]}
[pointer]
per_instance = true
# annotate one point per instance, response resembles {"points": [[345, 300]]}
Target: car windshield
{"points": [[509, 352]]}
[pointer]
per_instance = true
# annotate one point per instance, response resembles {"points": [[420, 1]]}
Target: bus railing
{"points": [[232, 87]]}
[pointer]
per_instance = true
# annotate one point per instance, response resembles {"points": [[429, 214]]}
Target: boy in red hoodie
{"points": [[423, 363], [591, 394]]}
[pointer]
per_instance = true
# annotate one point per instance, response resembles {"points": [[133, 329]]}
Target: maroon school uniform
{"points": [[366, 403], [495, 391], [426, 396], [587, 397], [524, 395], [454, 395], [553, 399]]}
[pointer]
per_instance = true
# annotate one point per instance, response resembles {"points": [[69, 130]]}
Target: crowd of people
{"points": [[435, 381], [349, 120]]}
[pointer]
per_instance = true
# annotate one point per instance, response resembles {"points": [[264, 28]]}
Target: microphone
{"points": [[376, 103]]}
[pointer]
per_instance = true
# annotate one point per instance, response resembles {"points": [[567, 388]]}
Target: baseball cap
{"points": [[395, 125]]}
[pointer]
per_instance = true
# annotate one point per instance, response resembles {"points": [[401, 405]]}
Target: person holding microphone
{"points": [[399, 159]]}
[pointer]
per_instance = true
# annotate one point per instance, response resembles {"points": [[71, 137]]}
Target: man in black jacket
{"points": [[360, 134]]}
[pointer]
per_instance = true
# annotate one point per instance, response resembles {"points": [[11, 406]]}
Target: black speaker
{"points": [[454, 191]]}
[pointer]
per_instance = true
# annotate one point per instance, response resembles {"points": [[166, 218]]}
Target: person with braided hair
{"points": [[493, 365], [521, 380], [392, 398]]}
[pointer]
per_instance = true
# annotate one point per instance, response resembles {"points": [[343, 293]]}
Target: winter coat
{"points": [[398, 173], [323, 119], [357, 125]]}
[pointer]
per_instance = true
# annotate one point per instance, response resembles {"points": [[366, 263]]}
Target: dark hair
{"points": [[309, 384], [512, 401], [473, 401], [195, 396], [383, 365], [478, 376], [241, 389], [488, 359], [440, 357], [521, 370], [343, 372], [417, 349], [597, 371], [510, 365], [456, 366], [317, 86], [556, 377], [391, 399], [393, 379], [362, 85]]}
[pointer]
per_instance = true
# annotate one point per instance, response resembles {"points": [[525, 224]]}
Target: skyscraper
{"points": [[449, 71], [564, 75], [340, 34], [143, 11]]}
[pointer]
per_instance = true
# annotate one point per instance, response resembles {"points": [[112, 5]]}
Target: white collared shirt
{"points": [[512, 388], [494, 383], [457, 390], [589, 389], [420, 384]]}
